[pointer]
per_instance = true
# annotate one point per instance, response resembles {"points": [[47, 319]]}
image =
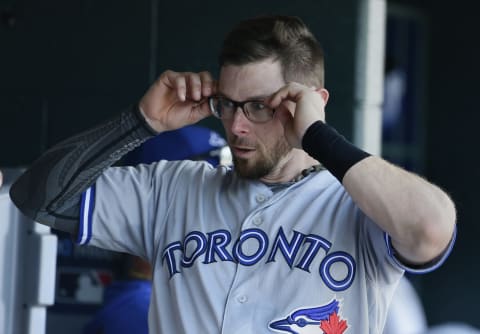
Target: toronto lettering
{"points": [[254, 246]]}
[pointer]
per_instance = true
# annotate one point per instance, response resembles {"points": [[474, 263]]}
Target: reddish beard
{"points": [[264, 161]]}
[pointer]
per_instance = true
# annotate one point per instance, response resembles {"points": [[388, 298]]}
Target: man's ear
{"points": [[324, 93]]}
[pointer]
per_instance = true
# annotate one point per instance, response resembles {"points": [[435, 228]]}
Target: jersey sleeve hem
{"points": [[421, 269], [87, 204]]}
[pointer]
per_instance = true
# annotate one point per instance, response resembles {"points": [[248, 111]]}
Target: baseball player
{"points": [[305, 234]]}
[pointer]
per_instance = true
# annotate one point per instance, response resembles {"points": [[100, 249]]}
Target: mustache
{"points": [[237, 141]]}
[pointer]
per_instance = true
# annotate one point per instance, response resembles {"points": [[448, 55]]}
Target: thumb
{"points": [[201, 110], [286, 119]]}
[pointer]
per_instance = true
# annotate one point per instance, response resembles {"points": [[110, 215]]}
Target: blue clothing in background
{"points": [[192, 142], [125, 309]]}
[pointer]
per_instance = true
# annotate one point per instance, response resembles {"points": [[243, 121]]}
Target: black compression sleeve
{"points": [[331, 149], [49, 191]]}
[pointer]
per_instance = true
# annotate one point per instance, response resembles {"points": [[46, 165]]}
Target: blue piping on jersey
{"points": [[420, 270], [86, 212]]}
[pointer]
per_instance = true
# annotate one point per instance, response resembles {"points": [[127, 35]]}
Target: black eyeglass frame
{"points": [[237, 104]]}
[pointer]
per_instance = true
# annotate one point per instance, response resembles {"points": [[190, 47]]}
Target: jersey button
{"points": [[242, 299], [260, 198], [257, 221]]}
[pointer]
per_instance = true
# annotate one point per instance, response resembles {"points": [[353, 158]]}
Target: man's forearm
{"points": [[418, 216], [49, 191]]}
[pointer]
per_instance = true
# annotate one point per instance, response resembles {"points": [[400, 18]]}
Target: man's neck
{"points": [[289, 167]]}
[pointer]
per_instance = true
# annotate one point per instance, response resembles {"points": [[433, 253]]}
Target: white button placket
{"points": [[260, 199], [239, 296]]}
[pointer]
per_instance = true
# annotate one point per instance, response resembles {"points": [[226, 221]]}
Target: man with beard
{"points": [[307, 233]]}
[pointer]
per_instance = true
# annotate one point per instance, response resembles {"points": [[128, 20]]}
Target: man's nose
{"points": [[240, 122]]}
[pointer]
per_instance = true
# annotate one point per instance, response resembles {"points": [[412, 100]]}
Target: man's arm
{"points": [[418, 216], [49, 191]]}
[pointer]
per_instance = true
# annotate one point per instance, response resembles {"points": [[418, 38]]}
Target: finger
{"points": [[201, 111], [284, 116], [168, 78], [291, 92], [194, 86], [208, 83], [287, 120], [174, 81], [180, 86], [205, 109]]}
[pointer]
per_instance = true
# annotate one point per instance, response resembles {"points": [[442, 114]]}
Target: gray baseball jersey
{"points": [[235, 256]]}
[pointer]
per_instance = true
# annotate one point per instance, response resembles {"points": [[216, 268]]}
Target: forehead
{"points": [[242, 82]]}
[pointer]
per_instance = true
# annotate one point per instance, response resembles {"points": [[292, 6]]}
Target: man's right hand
{"points": [[177, 99]]}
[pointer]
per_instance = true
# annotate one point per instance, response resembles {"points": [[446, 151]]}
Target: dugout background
{"points": [[66, 65]]}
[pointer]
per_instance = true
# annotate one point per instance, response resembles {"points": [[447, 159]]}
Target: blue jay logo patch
{"points": [[319, 320]]}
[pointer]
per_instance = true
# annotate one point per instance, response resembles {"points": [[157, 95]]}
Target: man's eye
{"points": [[257, 106], [226, 104]]}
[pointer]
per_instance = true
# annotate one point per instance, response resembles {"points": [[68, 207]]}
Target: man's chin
{"points": [[249, 170]]}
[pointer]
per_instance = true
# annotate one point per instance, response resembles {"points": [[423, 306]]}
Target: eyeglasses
{"points": [[255, 110]]}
